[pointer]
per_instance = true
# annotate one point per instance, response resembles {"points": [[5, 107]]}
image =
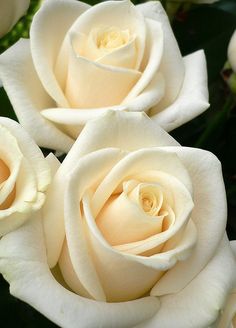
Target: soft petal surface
{"points": [[200, 302], [152, 57], [10, 13], [209, 211], [30, 280], [87, 81], [227, 318], [16, 69], [44, 54], [172, 66], [192, 99]]}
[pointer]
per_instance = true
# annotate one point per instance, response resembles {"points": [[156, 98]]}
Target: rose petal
{"points": [[144, 159], [29, 98], [209, 211], [152, 58], [11, 11], [23, 264], [45, 50], [30, 151], [29, 175], [73, 119], [90, 84], [200, 302], [53, 209], [172, 66], [193, 97]]}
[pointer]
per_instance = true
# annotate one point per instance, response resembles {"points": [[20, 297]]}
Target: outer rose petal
{"points": [[171, 66], [10, 13], [23, 263], [16, 70], [200, 302], [45, 50], [31, 179], [110, 130], [192, 99], [227, 318], [209, 210]]}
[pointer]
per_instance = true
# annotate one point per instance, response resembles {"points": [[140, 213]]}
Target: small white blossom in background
{"points": [[232, 52]]}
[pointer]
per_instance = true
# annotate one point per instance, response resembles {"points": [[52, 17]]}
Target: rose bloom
{"points": [[10, 12], [232, 52], [24, 176], [82, 60], [133, 230]]}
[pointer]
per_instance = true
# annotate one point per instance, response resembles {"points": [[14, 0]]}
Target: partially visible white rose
{"points": [[232, 52], [228, 313], [136, 225], [113, 55], [10, 12], [24, 176], [195, 1]]}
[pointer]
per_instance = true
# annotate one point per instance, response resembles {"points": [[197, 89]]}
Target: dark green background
{"points": [[207, 27]]}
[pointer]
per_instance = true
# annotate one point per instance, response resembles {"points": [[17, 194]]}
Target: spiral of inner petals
{"points": [[138, 212]]}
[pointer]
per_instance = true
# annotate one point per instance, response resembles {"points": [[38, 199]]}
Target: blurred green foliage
{"points": [[207, 27]]}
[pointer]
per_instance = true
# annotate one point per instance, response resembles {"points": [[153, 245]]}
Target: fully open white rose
{"points": [[134, 229], [24, 176], [82, 60], [10, 12]]}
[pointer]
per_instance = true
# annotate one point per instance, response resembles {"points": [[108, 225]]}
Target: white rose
{"points": [[24, 176], [134, 225], [10, 12], [195, 1], [232, 52], [82, 60]]}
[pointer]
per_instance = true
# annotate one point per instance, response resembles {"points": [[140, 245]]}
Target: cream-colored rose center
{"points": [[111, 38], [4, 175], [140, 211]]}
